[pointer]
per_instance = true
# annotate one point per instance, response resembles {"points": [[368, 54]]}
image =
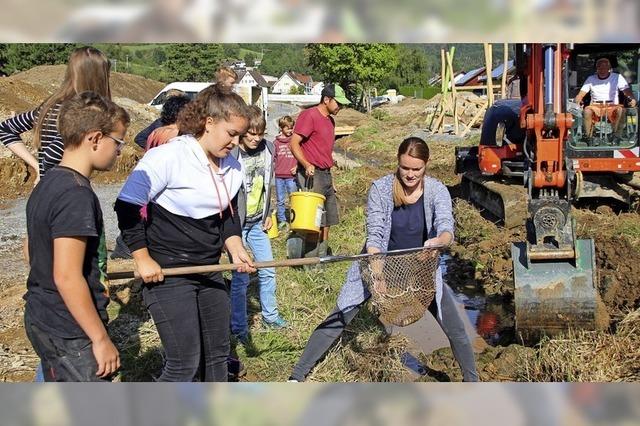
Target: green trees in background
{"points": [[16, 57], [193, 62], [278, 58], [357, 67]]}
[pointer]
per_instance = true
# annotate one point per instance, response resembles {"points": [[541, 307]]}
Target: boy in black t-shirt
{"points": [[67, 294]]}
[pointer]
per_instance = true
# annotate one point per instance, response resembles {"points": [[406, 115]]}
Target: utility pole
{"points": [[127, 66]]}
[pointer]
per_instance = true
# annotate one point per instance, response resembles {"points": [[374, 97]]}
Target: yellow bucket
{"points": [[306, 211], [273, 231]]}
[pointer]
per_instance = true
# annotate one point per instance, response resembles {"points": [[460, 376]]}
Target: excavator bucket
{"points": [[554, 296]]}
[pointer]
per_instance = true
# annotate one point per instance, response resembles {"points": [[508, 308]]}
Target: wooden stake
{"points": [[488, 70], [454, 97], [503, 89], [474, 119]]}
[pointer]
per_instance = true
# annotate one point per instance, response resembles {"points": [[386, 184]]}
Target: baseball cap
{"points": [[336, 92]]}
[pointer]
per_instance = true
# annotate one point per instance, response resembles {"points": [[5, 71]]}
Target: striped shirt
{"points": [[51, 147]]}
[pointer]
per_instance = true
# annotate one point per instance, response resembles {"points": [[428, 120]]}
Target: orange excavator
{"points": [[535, 160]]}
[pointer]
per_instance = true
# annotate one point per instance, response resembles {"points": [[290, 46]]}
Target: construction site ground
{"points": [[479, 267]]}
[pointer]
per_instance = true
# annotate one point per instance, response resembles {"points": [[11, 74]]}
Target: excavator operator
{"points": [[604, 87]]}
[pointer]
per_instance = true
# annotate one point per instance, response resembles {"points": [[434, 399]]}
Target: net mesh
{"points": [[402, 286]]}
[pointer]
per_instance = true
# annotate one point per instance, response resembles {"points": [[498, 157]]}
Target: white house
{"points": [[250, 77], [317, 88], [291, 79]]}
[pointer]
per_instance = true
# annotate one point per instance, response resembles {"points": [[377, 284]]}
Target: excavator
{"points": [[535, 160]]}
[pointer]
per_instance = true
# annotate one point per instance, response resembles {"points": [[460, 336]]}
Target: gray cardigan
{"points": [[438, 215]]}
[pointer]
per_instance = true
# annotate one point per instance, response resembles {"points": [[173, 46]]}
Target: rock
{"points": [[605, 210]]}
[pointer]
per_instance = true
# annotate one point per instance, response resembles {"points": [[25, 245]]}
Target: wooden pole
{"points": [[442, 71], [488, 71], [505, 68], [453, 90]]}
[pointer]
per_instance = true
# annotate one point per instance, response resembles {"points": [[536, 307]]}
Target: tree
{"points": [[22, 56], [193, 62], [296, 90], [279, 58], [356, 67], [250, 59], [159, 55]]}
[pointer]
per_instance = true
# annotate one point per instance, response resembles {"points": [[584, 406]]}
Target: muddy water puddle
{"points": [[491, 316]]}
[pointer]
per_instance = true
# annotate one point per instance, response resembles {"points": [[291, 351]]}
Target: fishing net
{"points": [[402, 286]]}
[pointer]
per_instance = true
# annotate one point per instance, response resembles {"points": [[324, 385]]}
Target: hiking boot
{"points": [[323, 248], [278, 324], [235, 369]]}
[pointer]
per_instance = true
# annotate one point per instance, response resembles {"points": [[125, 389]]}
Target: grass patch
{"points": [[589, 356]]}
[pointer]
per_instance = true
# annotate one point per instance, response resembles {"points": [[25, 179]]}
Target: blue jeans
{"points": [[284, 187], [257, 240]]}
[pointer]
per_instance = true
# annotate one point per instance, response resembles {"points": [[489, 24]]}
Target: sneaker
{"points": [[279, 323], [282, 225], [292, 380]]}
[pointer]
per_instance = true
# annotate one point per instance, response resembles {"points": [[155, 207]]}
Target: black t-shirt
{"points": [[63, 204], [407, 226]]}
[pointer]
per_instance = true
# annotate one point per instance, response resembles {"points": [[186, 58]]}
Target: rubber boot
{"points": [[323, 248]]}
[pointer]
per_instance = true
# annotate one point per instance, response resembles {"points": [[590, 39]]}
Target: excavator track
{"points": [[505, 201]]}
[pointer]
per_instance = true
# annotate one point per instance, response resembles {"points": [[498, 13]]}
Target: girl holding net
{"points": [[405, 209]]}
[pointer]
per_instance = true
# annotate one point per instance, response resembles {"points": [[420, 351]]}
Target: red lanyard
{"points": [[215, 184]]}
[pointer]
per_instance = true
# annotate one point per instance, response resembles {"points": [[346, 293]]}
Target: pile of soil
{"points": [[49, 77], [351, 117], [28, 89], [408, 111]]}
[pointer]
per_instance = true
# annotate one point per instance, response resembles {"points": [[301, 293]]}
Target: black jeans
{"points": [[192, 314], [63, 360], [332, 327]]}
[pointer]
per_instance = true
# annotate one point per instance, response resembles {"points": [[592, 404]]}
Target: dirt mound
{"points": [[130, 86], [618, 282], [493, 364], [18, 96], [26, 90], [408, 111]]}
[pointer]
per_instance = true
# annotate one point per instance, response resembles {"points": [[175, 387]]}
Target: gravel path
{"points": [[13, 229]]}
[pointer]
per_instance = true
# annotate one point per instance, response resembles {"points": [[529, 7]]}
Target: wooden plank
{"points": [[454, 98], [484, 86], [345, 130]]}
